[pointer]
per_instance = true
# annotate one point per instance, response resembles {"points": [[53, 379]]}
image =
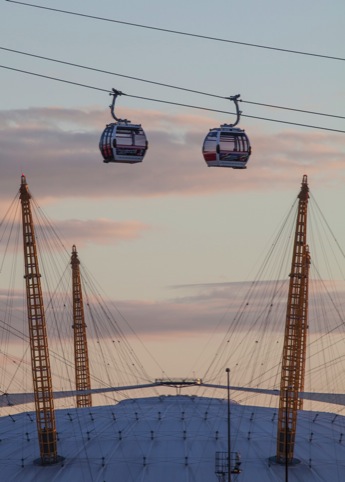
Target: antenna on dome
{"points": [[227, 463]]}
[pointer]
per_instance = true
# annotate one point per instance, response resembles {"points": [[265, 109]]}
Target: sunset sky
{"points": [[164, 236]]}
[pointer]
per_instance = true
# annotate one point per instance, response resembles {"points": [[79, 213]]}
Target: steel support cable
{"points": [[124, 364], [24, 337], [259, 275], [112, 324], [96, 289], [9, 297], [174, 103], [334, 306], [9, 303], [45, 222], [49, 243], [89, 286], [178, 32], [57, 356], [324, 256], [323, 358], [11, 228], [324, 343], [162, 84], [57, 326], [218, 363], [47, 236], [4, 325], [327, 225], [20, 364], [213, 375], [328, 248], [56, 314], [99, 353], [236, 320], [5, 224], [98, 337]]}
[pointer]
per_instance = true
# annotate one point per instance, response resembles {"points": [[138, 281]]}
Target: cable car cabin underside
{"points": [[125, 143], [226, 146]]}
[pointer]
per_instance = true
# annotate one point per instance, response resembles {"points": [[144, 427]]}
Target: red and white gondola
{"points": [[122, 141], [227, 145]]}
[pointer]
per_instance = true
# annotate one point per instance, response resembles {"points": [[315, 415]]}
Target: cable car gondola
{"points": [[122, 141], [227, 146]]}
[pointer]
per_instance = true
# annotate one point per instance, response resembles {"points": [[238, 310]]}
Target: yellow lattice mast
{"points": [[81, 358], [41, 373], [294, 352]]}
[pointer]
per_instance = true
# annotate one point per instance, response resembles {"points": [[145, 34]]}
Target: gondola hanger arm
{"points": [[235, 99], [115, 93]]}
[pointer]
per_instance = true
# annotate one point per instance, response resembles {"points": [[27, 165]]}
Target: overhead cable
{"points": [[72, 64], [170, 102], [178, 32], [110, 72]]}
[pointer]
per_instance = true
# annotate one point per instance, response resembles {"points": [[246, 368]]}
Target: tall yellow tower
{"points": [[81, 357], [294, 351], [40, 364]]}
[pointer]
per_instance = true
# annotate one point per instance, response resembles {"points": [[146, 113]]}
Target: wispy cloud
{"points": [[100, 231], [199, 309]]}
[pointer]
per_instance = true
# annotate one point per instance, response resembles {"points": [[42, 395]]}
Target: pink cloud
{"points": [[100, 231], [58, 151]]}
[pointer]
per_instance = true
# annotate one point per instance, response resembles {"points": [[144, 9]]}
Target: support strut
{"points": [[296, 325], [81, 357], [40, 363]]}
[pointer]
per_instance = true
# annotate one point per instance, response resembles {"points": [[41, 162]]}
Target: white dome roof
{"points": [[170, 439]]}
